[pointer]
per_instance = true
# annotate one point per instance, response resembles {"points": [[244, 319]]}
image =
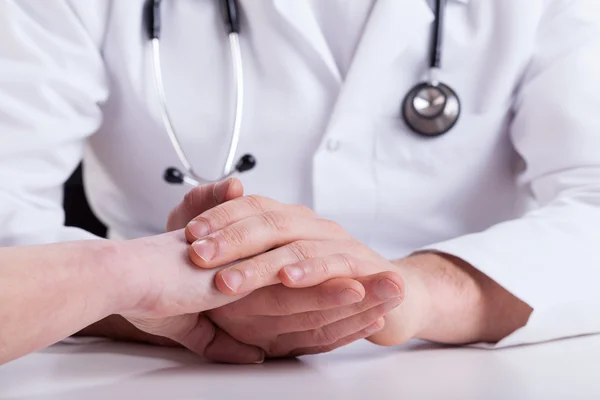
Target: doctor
{"points": [[481, 186]]}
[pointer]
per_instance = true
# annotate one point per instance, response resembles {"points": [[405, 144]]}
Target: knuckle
{"points": [[324, 336], [348, 263], [220, 216], [257, 203], [234, 236], [322, 267], [262, 269], [302, 249], [275, 221], [280, 306], [313, 320]]}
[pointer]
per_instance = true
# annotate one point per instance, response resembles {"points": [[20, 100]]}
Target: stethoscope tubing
{"points": [[191, 177], [421, 123]]}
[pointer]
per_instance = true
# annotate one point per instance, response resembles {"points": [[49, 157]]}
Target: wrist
{"points": [[123, 278], [455, 308], [143, 267], [465, 305]]}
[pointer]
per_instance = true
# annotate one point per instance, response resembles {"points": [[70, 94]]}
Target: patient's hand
{"points": [[286, 321], [204, 336]]}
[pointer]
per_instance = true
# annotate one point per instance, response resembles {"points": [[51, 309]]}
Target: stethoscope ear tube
{"points": [[152, 18], [245, 163], [231, 15]]}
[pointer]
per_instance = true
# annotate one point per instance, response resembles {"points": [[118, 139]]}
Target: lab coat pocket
{"points": [[476, 135], [432, 189]]}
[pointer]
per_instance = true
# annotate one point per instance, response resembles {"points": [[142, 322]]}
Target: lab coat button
{"points": [[333, 145]]}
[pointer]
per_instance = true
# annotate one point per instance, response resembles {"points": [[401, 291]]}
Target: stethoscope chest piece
{"points": [[431, 109]]}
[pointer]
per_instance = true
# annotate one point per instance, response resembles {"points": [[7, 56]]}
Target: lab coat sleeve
{"points": [[52, 80], [550, 258]]}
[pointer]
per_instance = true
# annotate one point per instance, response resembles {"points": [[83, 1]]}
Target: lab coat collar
{"points": [[392, 20], [301, 18]]}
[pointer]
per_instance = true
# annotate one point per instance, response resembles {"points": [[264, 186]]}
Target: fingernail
{"points": [[387, 289], [205, 249], [294, 274], [220, 191], [373, 328], [349, 296], [198, 228], [233, 279], [261, 358]]}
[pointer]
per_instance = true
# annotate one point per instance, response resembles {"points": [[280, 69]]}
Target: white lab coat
{"points": [[513, 189]]}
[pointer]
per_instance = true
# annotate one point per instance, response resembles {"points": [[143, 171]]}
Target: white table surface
{"points": [[567, 369]]}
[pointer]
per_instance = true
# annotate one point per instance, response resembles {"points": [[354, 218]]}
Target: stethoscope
{"points": [[245, 163], [430, 109]]}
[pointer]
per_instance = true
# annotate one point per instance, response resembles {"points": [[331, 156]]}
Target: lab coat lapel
{"points": [[300, 17], [394, 27], [391, 27]]}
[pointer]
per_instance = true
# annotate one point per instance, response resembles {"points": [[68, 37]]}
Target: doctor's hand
{"points": [[444, 299], [289, 244], [288, 321], [291, 321]]}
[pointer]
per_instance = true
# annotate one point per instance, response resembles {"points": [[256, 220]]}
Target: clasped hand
{"points": [[293, 283]]}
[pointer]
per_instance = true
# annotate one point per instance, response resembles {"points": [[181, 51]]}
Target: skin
{"points": [[289, 244], [48, 292], [293, 321]]}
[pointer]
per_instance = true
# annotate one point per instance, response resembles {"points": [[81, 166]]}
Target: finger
{"points": [[330, 334], [380, 288], [265, 269], [259, 233], [313, 271], [240, 208], [279, 300], [225, 349], [370, 330], [203, 198]]}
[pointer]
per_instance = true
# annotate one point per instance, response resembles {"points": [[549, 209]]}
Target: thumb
{"points": [[197, 333], [225, 349], [203, 198]]}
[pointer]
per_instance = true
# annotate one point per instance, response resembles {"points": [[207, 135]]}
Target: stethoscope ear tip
{"points": [[246, 163], [173, 175]]}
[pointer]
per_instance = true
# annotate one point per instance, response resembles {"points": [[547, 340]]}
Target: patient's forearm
{"points": [[49, 292]]}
